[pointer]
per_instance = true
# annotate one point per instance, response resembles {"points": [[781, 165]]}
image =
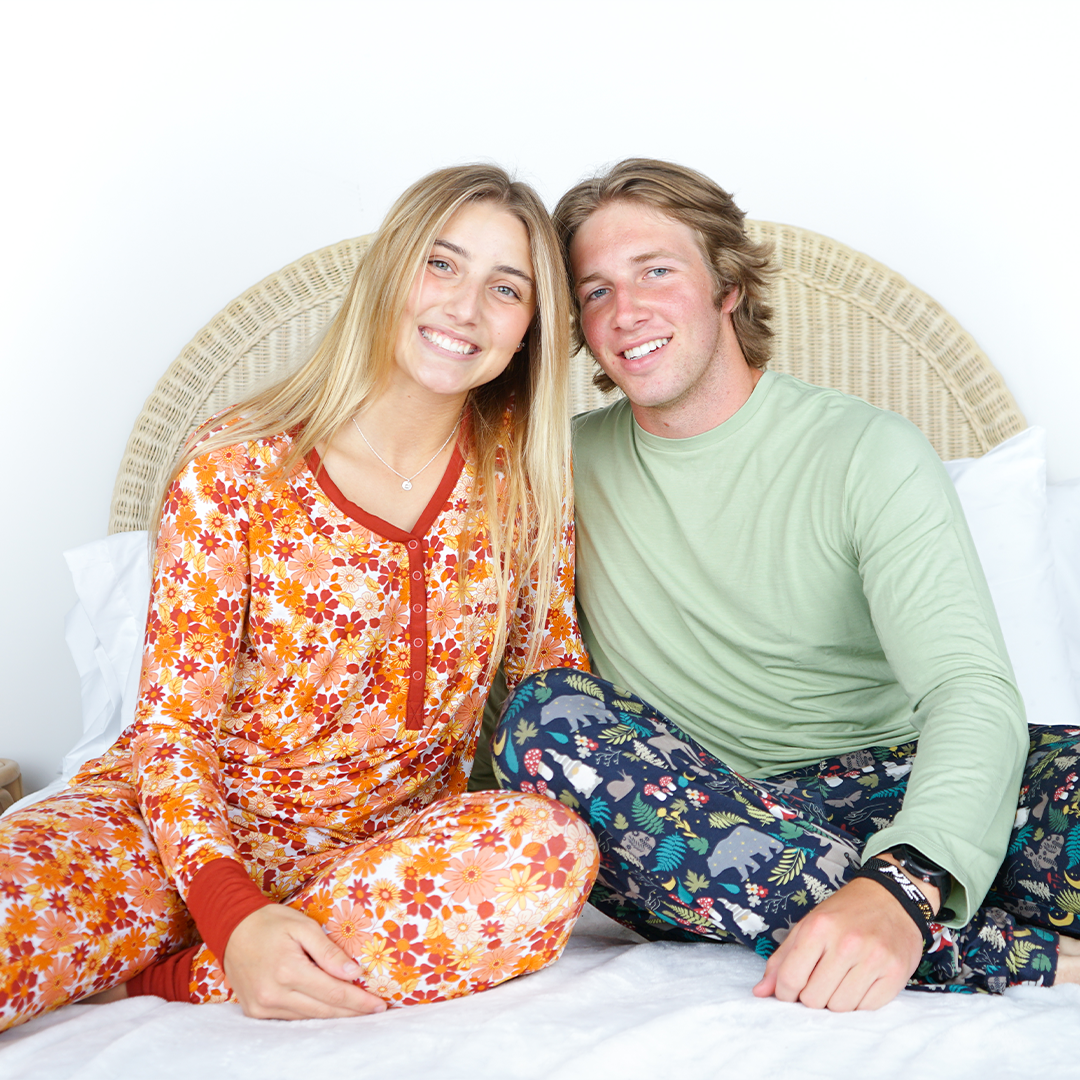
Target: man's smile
{"points": [[639, 351]]}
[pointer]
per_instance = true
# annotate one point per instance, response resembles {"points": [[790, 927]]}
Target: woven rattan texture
{"points": [[841, 320]]}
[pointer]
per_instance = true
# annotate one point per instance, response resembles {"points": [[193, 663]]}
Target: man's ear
{"points": [[731, 300]]}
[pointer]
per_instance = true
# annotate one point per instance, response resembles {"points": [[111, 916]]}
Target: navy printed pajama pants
{"points": [[690, 849]]}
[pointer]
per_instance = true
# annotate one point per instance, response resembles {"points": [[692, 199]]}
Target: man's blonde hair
{"points": [[352, 362], [735, 261]]}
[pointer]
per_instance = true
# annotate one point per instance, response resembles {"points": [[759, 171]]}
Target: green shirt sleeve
{"points": [[933, 615]]}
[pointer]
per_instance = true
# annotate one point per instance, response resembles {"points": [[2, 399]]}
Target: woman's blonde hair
{"points": [[350, 364]]}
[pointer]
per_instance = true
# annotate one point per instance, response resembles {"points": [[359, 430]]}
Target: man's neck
{"points": [[705, 409]]}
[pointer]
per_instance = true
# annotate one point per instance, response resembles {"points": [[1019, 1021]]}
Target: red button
{"points": [[418, 642], [418, 608], [417, 575], [417, 674], [413, 545]]}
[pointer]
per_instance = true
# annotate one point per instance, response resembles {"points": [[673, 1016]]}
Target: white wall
{"points": [[162, 157]]}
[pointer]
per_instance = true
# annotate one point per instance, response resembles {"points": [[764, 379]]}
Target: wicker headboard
{"points": [[841, 320]]}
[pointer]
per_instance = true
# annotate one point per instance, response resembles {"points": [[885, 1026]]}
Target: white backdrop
{"points": [[161, 157]]}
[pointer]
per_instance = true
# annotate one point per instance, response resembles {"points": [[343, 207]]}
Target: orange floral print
{"points": [[312, 686]]}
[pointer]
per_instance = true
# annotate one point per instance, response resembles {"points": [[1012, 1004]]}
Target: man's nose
{"points": [[628, 308]]}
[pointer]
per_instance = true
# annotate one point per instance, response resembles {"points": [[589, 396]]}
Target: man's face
{"points": [[647, 310]]}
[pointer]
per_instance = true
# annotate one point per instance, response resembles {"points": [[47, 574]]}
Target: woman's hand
{"points": [[282, 966]]}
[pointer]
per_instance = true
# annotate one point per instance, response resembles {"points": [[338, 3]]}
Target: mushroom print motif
{"points": [[534, 766]]}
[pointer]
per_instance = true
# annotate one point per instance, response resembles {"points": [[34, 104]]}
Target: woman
{"points": [[342, 562]]}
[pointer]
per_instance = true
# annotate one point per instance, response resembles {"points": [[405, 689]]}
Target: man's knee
{"points": [[538, 740]]}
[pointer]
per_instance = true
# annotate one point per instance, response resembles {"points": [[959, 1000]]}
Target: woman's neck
{"points": [[390, 458], [404, 432]]}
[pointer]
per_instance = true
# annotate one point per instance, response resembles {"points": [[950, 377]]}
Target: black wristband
{"points": [[906, 892]]}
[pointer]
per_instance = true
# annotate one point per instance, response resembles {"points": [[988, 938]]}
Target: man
{"points": [[781, 600]]}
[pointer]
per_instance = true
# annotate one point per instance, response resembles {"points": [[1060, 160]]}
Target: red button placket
{"points": [[418, 629], [415, 544]]}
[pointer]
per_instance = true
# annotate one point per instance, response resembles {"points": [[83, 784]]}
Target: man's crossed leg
{"points": [[691, 850]]}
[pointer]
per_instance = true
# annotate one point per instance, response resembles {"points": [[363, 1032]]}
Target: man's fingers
{"points": [[795, 965], [836, 985], [767, 986], [857, 990], [880, 993]]}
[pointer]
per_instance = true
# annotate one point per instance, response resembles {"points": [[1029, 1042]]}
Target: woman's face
{"points": [[470, 305]]}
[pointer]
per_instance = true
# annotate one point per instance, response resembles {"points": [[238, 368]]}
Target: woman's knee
{"points": [[109, 908]]}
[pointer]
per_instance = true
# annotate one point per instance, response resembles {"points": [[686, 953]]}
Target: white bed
{"points": [[613, 1005]]}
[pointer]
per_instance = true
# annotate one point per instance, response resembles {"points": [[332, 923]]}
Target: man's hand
{"points": [[855, 950], [281, 965]]}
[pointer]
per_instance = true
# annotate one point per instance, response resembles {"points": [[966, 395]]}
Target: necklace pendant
{"points": [[406, 485]]}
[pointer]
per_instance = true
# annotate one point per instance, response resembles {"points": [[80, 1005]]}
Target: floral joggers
{"points": [[690, 849], [472, 891]]}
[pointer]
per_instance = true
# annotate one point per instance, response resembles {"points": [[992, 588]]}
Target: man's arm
{"points": [[937, 626], [933, 615]]}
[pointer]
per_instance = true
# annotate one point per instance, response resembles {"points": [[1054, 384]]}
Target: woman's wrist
{"points": [[220, 898]]}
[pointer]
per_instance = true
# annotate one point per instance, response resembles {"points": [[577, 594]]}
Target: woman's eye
{"points": [[438, 264], [508, 292]]}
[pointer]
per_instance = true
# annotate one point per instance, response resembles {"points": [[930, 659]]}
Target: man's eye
{"points": [[596, 294], [659, 271]]}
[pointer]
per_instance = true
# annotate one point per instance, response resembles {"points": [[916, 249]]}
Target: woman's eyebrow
{"points": [[502, 268]]}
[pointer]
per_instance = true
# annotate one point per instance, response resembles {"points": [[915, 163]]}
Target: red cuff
{"points": [[221, 896], [169, 978]]}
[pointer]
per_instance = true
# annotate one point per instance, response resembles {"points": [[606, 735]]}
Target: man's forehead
{"points": [[622, 213], [634, 232]]}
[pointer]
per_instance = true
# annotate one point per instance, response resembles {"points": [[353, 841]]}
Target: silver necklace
{"points": [[406, 481]]}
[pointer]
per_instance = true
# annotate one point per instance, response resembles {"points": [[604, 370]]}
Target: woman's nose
{"points": [[463, 301]]}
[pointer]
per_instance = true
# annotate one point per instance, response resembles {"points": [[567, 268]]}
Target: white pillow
{"points": [[105, 632], [1063, 504], [1003, 494]]}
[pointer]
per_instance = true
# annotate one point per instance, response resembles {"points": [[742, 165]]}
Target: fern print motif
{"points": [[692, 851]]}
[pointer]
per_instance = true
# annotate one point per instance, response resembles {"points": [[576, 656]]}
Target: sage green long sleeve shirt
{"points": [[799, 583]]}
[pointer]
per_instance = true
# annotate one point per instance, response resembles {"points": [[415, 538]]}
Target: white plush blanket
{"points": [[613, 1006]]}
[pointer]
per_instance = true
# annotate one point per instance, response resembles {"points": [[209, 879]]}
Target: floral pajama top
{"points": [[312, 674]]}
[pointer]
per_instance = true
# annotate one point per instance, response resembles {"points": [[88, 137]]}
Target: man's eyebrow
{"points": [[594, 276], [660, 253], [502, 268], [647, 256]]}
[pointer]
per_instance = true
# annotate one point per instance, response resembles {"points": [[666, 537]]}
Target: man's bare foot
{"points": [[115, 993], [1068, 966]]}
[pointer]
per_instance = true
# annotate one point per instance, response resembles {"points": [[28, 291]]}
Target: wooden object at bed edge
{"points": [[841, 320]]}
